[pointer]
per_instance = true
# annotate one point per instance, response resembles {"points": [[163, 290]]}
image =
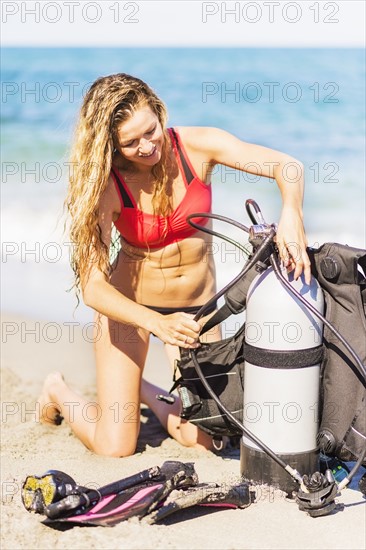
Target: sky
{"points": [[184, 23]]}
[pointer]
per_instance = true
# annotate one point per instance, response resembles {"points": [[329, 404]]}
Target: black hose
{"points": [[240, 425], [214, 233], [263, 251], [342, 484], [215, 217], [248, 204], [283, 280]]}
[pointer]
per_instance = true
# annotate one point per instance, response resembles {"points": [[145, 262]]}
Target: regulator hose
{"points": [[275, 264]]}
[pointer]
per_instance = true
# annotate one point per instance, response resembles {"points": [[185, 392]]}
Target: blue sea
{"points": [[309, 103]]}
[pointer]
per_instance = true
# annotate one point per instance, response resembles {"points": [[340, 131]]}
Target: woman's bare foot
{"points": [[48, 410]]}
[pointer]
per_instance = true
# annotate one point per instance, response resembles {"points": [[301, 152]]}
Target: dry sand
{"points": [[31, 448]]}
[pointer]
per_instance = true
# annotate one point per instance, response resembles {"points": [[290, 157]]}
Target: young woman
{"points": [[132, 172]]}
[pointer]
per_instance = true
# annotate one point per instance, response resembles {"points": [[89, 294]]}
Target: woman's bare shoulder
{"points": [[202, 138], [110, 201], [191, 133]]}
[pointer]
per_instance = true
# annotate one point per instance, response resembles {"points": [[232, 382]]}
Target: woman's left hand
{"points": [[291, 243]]}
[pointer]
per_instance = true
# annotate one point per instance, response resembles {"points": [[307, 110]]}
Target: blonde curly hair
{"points": [[110, 101]]}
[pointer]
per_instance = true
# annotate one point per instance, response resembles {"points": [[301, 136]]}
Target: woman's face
{"points": [[140, 138]]}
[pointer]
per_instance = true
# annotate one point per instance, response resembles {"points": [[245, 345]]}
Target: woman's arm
{"points": [[224, 148], [99, 294]]}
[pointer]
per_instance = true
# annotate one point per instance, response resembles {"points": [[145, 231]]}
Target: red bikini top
{"points": [[144, 230]]}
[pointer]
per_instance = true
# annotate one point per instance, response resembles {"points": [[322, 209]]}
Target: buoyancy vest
{"points": [[340, 271]]}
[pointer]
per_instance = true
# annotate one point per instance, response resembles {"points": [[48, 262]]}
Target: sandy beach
{"points": [[32, 349]]}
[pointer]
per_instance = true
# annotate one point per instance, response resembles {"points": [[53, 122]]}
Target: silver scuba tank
{"points": [[283, 348]]}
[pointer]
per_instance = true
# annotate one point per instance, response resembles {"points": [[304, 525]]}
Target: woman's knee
{"points": [[115, 439], [115, 449]]}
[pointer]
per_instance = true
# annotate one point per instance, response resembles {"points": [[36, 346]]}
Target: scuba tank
{"points": [[283, 351], [287, 374]]}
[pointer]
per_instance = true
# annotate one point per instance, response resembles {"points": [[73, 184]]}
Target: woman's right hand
{"points": [[177, 329]]}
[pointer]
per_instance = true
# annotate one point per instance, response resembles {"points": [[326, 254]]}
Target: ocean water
{"points": [[309, 103]]}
